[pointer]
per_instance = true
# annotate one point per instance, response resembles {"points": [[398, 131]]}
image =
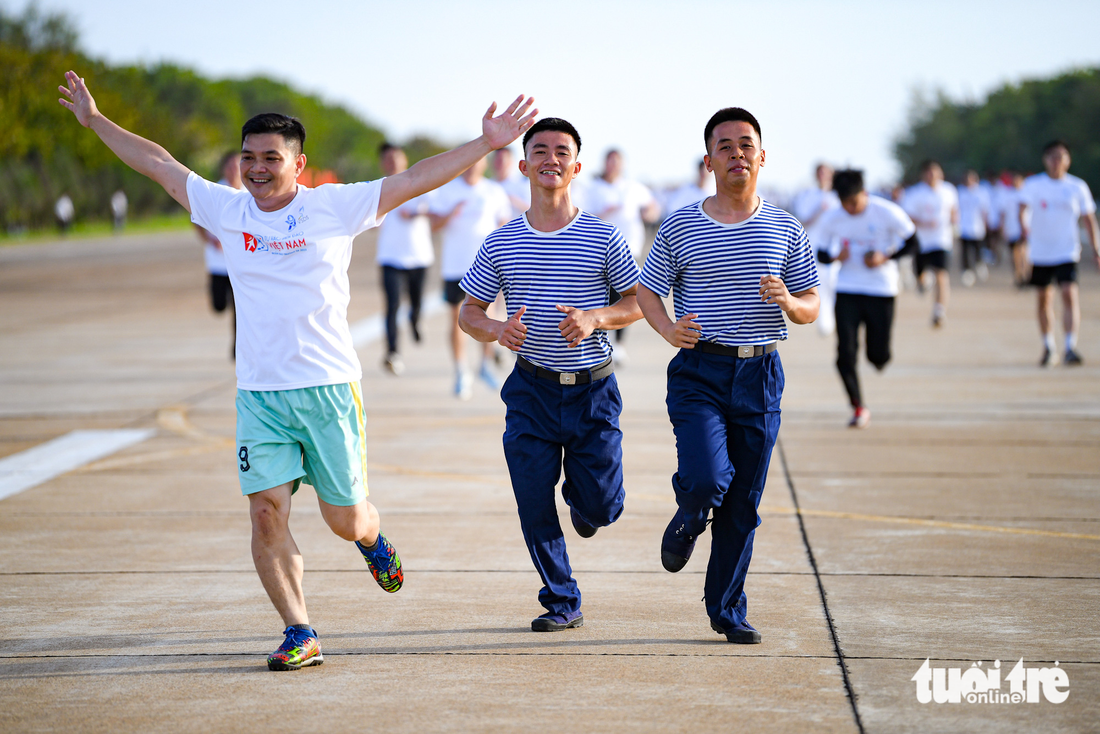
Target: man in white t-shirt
{"points": [[404, 252], [221, 290], [693, 191], [1059, 204], [974, 207], [627, 204], [809, 206], [865, 235], [1008, 203], [933, 206], [467, 210], [506, 173], [299, 406]]}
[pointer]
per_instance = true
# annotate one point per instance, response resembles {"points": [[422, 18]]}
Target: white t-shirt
{"points": [[973, 212], [1009, 201], [485, 207], [1056, 205], [518, 188], [686, 195], [930, 210], [883, 226], [620, 204], [405, 238], [812, 202], [290, 278]]}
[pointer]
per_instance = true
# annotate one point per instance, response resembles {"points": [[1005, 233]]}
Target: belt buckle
{"points": [[567, 378], [745, 352]]}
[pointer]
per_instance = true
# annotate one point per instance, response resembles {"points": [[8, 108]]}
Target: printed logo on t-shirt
{"points": [[284, 246]]}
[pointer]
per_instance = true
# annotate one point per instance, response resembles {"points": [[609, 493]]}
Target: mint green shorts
{"points": [[314, 434]]}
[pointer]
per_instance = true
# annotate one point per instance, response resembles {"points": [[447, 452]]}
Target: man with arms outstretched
{"points": [[556, 266], [299, 405], [735, 264]]}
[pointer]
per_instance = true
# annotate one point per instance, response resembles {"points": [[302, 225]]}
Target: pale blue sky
{"points": [[828, 81]]}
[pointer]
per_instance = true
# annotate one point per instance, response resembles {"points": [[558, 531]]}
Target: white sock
{"points": [[939, 310], [1071, 341], [1048, 340]]}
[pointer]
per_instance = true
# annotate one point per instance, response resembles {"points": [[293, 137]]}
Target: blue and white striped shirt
{"points": [[714, 270], [573, 266]]}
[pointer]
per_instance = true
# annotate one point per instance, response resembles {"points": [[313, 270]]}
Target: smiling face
{"points": [[270, 170], [551, 160], [735, 154]]}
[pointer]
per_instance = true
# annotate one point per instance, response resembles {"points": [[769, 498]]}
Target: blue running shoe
{"points": [[551, 622], [300, 649], [677, 544], [742, 634], [384, 564]]}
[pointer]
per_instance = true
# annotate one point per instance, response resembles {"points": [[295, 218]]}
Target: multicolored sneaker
{"points": [[384, 563], [300, 649]]}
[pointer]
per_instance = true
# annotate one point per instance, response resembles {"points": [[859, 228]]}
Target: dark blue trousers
{"points": [[548, 427], [725, 414]]}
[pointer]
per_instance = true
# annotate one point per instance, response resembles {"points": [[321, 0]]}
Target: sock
{"points": [[303, 627], [939, 310], [370, 549], [1048, 340], [1071, 341]]}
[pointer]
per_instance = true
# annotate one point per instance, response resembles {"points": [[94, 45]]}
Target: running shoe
{"points": [[300, 649], [1045, 360], [486, 375], [464, 388], [1072, 359], [742, 634], [860, 419], [393, 363], [677, 544], [551, 622], [384, 564], [583, 529]]}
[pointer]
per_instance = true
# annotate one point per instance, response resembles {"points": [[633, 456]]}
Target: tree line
{"points": [[1008, 129], [44, 153]]}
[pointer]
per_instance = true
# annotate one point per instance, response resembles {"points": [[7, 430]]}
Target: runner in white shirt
{"points": [[933, 206], [974, 210], [809, 206], [1008, 201], [866, 235], [300, 413], [1059, 204], [404, 252], [627, 204], [467, 210], [221, 290], [689, 193], [506, 173]]}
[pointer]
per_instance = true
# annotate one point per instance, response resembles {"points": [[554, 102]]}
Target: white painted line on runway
{"points": [[373, 328], [52, 459]]}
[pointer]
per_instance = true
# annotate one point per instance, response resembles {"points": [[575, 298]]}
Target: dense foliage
{"points": [[1009, 128], [44, 152]]}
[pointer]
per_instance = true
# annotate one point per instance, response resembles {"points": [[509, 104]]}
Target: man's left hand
{"points": [[773, 290], [577, 325]]}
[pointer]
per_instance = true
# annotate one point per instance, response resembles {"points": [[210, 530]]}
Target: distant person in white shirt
{"points": [[974, 209], [467, 210], [1058, 204], [809, 206], [404, 252], [627, 204], [221, 290], [933, 205], [119, 206], [506, 173], [1008, 203], [689, 193]]}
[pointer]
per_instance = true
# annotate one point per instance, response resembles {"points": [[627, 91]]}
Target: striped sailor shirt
{"points": [[714, 270], [573, 266]]}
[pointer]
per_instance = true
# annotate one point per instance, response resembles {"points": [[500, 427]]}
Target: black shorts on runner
{"points": [[933, 260], [1017, 243], [221, 292], [453, 294], [1044, 275]]}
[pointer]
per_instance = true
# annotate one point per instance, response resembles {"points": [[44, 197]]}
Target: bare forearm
{"points": [[804, 307], [430, 174], [474, 321], [622, 313], [653, 308], [145, 157]]}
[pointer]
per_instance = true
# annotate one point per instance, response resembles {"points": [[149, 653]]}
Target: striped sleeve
{"points": [[657, 272], [622, 271], [482, 280], [800, 271]]}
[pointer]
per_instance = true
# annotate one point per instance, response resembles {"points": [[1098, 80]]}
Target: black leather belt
{"points": [[745, 352], [598, 372]]}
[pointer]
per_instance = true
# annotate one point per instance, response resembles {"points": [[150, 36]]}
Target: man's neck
{"points": [[551, 209], [731, 205]]}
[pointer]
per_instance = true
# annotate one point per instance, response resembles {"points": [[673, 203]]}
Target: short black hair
{"points": [[927, 164], [385, 147], [552, 123], [729, 114], [1056, 143], [289, 128], [847, 183], [226, 157]]}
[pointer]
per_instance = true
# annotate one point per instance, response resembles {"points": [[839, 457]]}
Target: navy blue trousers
{"points": [[725, 414], [550, 427]]}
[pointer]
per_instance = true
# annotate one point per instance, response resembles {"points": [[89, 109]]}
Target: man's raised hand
{"points": [[514, 332], [79, 100], [501, 130]]}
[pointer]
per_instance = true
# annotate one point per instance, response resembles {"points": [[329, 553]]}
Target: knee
{"points": [[269, 520]]}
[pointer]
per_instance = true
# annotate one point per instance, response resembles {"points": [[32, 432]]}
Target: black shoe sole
{"points": [[672, 562], [283, 666], [738, 637], [542, 624], [585, 531]]}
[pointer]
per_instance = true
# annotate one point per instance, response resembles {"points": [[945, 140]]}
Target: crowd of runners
{"points": [[544, 267]]}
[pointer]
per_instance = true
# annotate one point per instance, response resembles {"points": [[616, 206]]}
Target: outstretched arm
{"points": [[431, 173], [144, 156]]}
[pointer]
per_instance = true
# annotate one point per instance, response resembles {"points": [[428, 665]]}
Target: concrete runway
{"points": [[963, 526]]}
